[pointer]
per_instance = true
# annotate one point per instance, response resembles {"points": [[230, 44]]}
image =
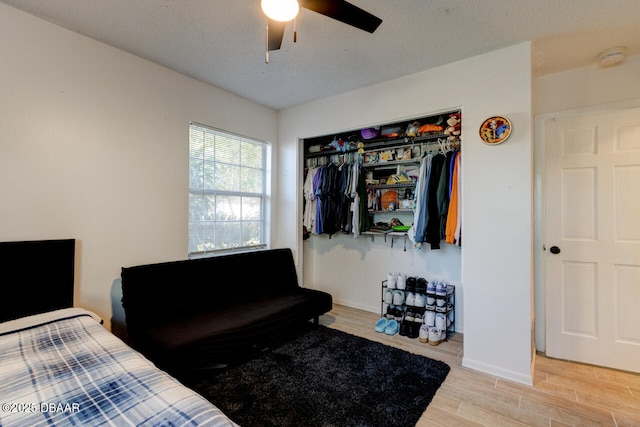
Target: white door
{"points": [[593, 238]]}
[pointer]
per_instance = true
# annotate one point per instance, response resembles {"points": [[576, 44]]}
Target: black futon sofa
{"points": [[200, 313]]}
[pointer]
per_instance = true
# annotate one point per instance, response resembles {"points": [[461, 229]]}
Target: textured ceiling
{"points": [[222, 42]]}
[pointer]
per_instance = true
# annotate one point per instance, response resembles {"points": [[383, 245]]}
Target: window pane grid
{"points": [[227, 189]]}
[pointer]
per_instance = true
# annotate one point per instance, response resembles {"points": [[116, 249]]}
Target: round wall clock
{"points": [[495, 130]]}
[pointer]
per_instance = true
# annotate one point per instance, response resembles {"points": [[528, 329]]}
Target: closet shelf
{"points": [[396, 143], [380, 186], [397, 211], [392, 234], [390, 163]]}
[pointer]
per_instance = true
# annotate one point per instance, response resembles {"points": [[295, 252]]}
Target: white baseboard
{"points": [[357, 305], [498, 371]]}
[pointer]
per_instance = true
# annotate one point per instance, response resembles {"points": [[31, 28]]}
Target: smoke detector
{"points": [[612, 56]]}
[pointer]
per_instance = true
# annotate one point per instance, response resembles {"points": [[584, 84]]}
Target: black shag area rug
{"points": [[325, 377]]}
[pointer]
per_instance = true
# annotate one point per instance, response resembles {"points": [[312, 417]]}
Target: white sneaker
{"points": [[423, 335], [430, 318], [411, 298], [445, 308], [441, 289], [419, 300], [431, 288], [441, 321], [430, 303], [388, 296], [436, 336], [398, 297], [401, 282], [392, 279]]}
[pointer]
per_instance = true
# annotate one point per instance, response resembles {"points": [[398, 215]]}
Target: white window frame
{"points": [[198, 188]]}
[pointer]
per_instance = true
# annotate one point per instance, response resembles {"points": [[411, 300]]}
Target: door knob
{"points": [[554, 250]]}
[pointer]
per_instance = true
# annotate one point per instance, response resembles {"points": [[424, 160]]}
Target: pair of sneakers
{"points": [[430, 302], [434, 328], [410, 329], [414, 315], [436, 320], [442, 306], [442, 289], [432, 335], [388, 326], [394, 297], [394, 312], [438, 303], [396, 281], [415, 300]]}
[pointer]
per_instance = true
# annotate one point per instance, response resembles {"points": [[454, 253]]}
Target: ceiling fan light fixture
{"points": [[280, 10]]}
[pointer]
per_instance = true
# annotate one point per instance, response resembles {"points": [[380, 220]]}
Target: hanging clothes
{"points": [[355, 207], [317, 190], [458, 233], [436, 212], [421, 215], [335, 198], [329, 197], [343, 219], [309, 213], [432, 230], [329, 205], [443, 193], [364, 221], [453, 229]]}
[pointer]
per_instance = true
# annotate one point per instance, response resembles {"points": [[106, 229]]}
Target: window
{"points": [[227, 191]]}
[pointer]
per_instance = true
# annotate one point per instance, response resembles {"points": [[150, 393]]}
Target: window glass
{"points": [[227, 191]]}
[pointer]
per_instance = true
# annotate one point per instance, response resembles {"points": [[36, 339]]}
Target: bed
{"points": [[60, 366]]}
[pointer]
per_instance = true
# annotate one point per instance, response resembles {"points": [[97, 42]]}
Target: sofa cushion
{"points": [[238, 319], [230, 334], [171, 290]]}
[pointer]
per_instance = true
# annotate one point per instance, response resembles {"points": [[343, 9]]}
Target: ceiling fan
{"points": [[279, 12]]}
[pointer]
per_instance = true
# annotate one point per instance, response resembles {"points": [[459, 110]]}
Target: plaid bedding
{"points": [[64, 368]]}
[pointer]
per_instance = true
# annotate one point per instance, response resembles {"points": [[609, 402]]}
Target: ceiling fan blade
{"points": [[344, 12], [275, 33]]}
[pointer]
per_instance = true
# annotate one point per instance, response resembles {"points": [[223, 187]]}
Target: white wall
{"points": [[352, 269], [496, 259], [94, 146], [588, 88]]}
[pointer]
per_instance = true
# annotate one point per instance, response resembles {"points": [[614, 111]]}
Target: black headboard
{"points": [[37, 276]]}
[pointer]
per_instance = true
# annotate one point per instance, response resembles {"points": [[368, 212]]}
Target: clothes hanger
{"points": [[442, 144]]}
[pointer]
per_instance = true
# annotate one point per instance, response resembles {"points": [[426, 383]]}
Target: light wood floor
{"points": [[563, 394]]}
